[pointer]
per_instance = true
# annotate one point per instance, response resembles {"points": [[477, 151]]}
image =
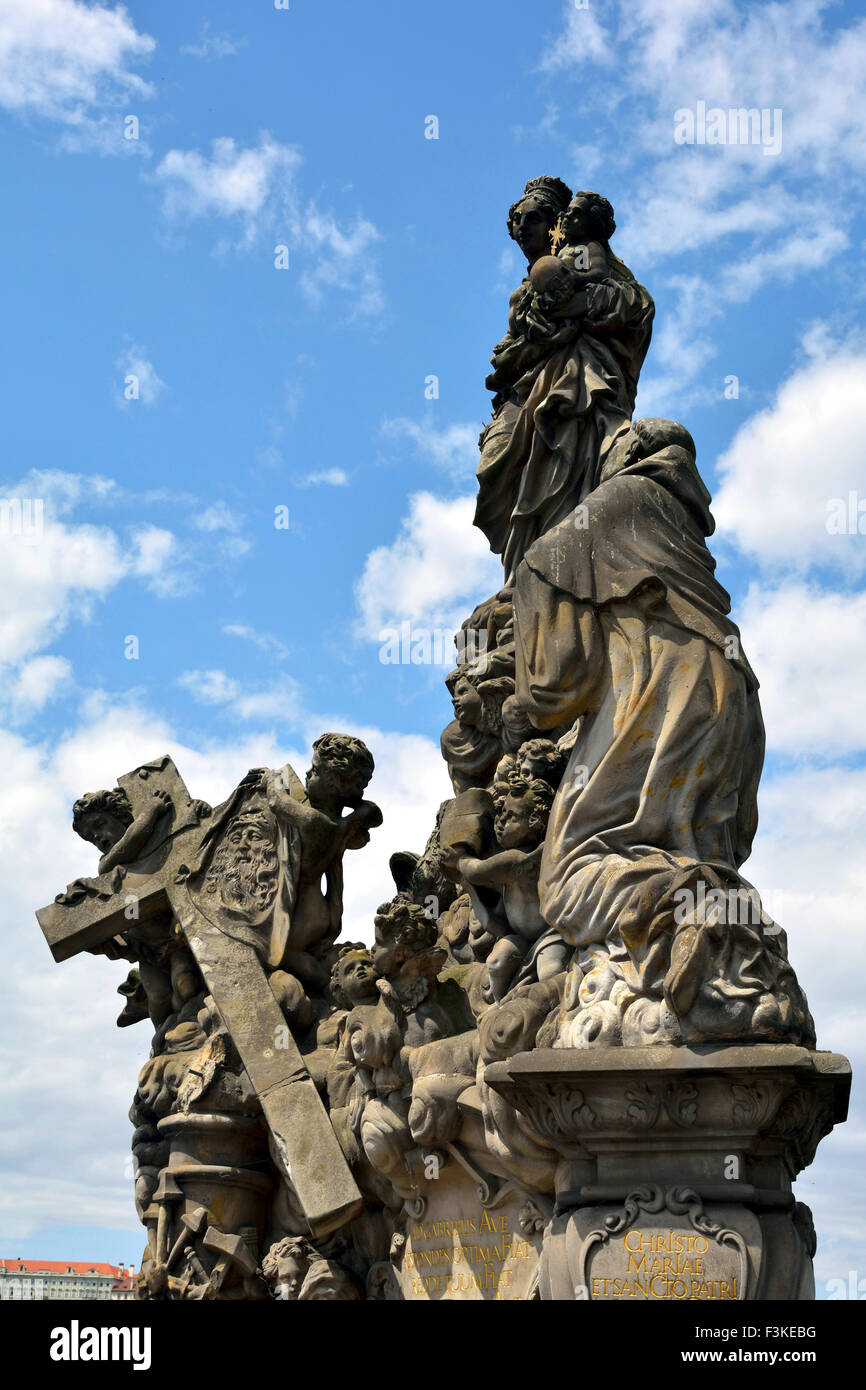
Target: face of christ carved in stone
{"points": [[244, 869]]}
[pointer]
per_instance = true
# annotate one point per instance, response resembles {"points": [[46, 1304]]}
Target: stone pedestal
{"points": [[217, 1162], [676, 1166]]}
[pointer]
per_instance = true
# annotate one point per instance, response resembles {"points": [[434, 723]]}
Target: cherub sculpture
{"points": [[270, 868], [167, 972], [376, 1039], [504, 886], [472, 743], [353, 983], [295, 1270]]}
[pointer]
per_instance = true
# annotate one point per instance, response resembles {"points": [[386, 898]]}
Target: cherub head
{"points": [[353, 977], [342, 767], [540, 758], [550, 276], [478, 701], [468, 706], [532, 218], [589, 217], [102, 817], [403, 930], [522, 818], [286, 1265], [537, 759]]}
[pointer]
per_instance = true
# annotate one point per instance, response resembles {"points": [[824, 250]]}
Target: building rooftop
{"points": [[75, 1267]]}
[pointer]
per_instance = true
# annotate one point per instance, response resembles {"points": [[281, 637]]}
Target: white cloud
{"points": [[70, 62], [223, 524], [54, 569], [433, 574], [157, 558], [509, 270], [140, 381], [36, 682], [210, 687], [329, 477], [343, 260], [277, 702], [787, 464], [45, 583], [543, 129], [809, 864], [233, 182], [757, 55], [454, 448], [266, 641], [218, 517], [269, 456], [583, 38], [806, 646], [748, 207], [212, 46]]}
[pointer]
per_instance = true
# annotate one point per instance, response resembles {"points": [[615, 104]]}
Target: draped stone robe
{"points": [[620, 623]]}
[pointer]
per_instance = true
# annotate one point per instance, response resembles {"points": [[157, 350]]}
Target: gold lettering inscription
{"points": [[469, 1253], [664, 1265]]}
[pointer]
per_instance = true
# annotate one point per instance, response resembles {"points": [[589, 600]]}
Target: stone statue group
{"points": [[581, 889]]}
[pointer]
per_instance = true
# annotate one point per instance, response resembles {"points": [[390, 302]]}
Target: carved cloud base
{"points": [[676, 1165]]}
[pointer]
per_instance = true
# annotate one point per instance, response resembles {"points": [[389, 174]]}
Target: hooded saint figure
{"points": [[621, 624]]}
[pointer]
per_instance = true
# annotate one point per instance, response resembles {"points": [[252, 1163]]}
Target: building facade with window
{"points": [[44, 1279]]}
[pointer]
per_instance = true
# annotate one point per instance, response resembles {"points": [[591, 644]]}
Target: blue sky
{"points": [[304, 388]]}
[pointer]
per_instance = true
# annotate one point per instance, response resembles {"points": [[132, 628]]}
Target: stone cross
{"points": [[92, 911]]}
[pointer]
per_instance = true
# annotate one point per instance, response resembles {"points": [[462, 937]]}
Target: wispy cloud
{"points": [[265, 641], [211, 47], [140, 382], [256, 188], [328, 477], [789, 470], [729, 198], [278, 702], [452, 448]]}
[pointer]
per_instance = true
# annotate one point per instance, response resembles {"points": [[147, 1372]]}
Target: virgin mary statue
{"points": [[564, 389]]}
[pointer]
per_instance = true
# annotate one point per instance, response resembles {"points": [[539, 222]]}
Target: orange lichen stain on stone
{"points": [[679, 781]]}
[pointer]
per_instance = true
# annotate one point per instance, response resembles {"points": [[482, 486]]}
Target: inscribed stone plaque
{"points": [[661, 1257], [461, 1250]]}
